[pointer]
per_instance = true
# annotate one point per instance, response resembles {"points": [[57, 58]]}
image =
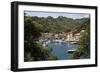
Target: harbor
{"points": [[63, 44], [62, 49]]}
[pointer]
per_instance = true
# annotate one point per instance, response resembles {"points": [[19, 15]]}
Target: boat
{"points": [[58, 41], [45, 43], [73, 42], [71, 50]]}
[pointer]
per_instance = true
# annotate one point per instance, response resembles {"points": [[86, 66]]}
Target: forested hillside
{"points": [[59, 24]]}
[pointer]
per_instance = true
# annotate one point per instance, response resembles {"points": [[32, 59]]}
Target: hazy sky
{"points": [[56, 14]]}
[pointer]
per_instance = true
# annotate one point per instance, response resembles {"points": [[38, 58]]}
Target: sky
{"points": [[56, 14]]}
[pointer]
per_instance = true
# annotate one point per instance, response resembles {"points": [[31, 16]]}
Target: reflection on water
{"points": [[61, 49]]}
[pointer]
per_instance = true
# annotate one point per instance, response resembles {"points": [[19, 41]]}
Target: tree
{"points": [[33, 51], [84, 45], [32, 32], [65, 24]]}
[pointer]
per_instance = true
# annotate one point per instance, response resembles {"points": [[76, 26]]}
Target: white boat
{"points": [[74, 42], [71, 50], [58, 41], [45, 43]]}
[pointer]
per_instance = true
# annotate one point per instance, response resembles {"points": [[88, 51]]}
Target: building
{"points": [[69, 36], [74, 35]]}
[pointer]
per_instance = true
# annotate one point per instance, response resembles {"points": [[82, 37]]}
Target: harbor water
{"points": [[61, 49]]}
